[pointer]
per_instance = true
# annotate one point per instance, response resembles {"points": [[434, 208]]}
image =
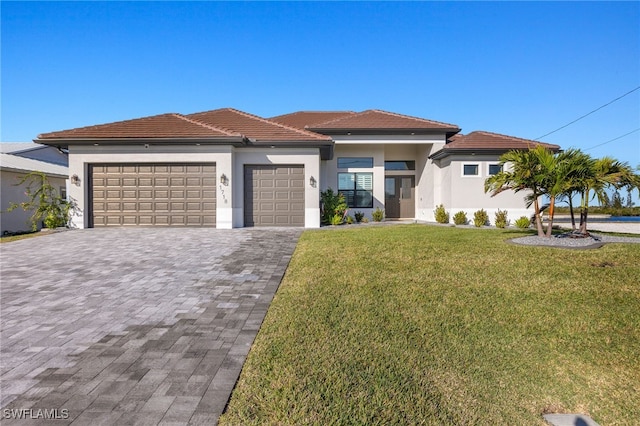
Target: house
{"points": [[228, 168], [16, 161]]}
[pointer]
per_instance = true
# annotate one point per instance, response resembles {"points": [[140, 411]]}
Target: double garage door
{"points": [[185, 195]]}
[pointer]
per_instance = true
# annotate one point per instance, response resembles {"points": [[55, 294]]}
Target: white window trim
{"points": [[478, 164]]}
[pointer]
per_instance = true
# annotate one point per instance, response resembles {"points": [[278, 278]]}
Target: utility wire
{"points": [[614, 139], [589, 113]]}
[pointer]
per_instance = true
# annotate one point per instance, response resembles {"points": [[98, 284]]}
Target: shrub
{"points": [[441, 214], [359, 216], [377, 215], [333, 204], [349, 220], [480, 218], [44, 202], [460, 218], [337, 219], [523, 222], [501, 219]]}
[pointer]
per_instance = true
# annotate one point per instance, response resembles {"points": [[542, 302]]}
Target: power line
{"points": [[589, 113], [614, 139]]}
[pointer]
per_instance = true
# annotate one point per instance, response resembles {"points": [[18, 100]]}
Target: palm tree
{"points": [[604, 173], [523, 173], [578, 166]]}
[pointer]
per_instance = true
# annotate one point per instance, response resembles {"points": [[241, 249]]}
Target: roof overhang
{"points": [[326, 147], [222, 140], [377, 131], [443, 153]]}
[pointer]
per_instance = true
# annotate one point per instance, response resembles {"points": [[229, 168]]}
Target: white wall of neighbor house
{"points": [[82, 156], [307, 157], [18, 220], [465, 192]]}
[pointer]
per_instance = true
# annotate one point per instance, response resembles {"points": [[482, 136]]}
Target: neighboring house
{"points": [[16, 161], [227, 168]]}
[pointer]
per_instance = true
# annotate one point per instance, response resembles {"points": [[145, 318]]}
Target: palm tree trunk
{"points": [[552, 204], [573, 217], [538, 219], [584, 211]]}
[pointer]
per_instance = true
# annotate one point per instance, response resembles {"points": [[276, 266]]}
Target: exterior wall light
{"points": [[224, 179], [312, 182], [75, 180]]}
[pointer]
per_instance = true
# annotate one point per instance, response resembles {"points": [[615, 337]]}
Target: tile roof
{"points": [[307, 119], [375, 119], [158, 126], [254, 127], [487, 140], [479, 141]]}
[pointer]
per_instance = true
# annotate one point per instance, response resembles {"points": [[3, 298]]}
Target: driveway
{"points": [[133, 326]]}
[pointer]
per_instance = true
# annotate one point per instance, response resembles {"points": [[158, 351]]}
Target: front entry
{"points": [[399, 197]]}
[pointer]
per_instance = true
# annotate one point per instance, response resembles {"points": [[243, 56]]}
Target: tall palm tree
{"points": [[521, 171], [604, 173], [578, 166]]}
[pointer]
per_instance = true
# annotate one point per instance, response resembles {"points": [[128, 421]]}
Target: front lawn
{"points": [[414, 324]]}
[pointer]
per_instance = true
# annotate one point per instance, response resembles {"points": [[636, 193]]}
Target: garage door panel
{"points": [[153, 194], [268, 195]]}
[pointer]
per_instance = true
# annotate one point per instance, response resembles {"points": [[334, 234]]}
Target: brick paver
{"points": [[133, 326]]}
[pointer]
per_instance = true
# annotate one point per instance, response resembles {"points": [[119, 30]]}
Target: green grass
{"points": [[11, 238], [412, 324]]}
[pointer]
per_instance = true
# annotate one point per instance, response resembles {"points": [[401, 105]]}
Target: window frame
{"points": [[478, 170], [494, 164], [352, 201], [368, 160]]}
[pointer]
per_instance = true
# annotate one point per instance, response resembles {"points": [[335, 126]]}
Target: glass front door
{"points": [[399, 194]]}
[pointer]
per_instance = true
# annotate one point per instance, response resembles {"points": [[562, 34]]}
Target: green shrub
{"points": [[377, 215], [349, 220], [359, 216], [441, 214], [480, 218], [523, 222], [337, 219], [333, 204], [501, 219], [460, 218]]}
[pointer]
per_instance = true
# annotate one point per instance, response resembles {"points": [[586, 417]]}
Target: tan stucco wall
{"points": [[18, 219]]}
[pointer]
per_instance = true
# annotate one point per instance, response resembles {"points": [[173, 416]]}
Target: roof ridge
{"points": [[302, 131], [351, 114], [229, 132], [411, 117]]}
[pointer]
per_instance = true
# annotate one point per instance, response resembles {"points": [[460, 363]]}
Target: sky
{"points": [[518, 68]]}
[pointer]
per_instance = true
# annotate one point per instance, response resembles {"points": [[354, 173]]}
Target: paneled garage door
{"points": [[153, 194], [274, 195]]}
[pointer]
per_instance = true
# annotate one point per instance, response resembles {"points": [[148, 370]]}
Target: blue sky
{"points": [[517, 68]]}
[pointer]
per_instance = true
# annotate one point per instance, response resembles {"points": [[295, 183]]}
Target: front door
{"points": [[399, 194]]}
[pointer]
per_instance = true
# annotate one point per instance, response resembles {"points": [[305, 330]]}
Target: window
{"points": [[355, 162], [470, 169], [494, 169], [357, 189], [63, 192], [399, 165]]}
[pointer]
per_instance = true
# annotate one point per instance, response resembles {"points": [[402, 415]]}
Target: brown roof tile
{"points": [[374, 119], [254, 127], [480, 141], [307, 119], [158, 126], [488, 140]]}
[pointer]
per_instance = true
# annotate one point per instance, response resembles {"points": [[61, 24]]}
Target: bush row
{"points": [[480, 218]]}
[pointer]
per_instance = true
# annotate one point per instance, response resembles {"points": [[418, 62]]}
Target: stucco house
{"points": [[227, 168], [17, 159]]}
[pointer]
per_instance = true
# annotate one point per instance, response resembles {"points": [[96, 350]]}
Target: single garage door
{"points": [[153, 194], [274, 195]]}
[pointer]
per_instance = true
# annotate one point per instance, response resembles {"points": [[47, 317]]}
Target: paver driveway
{"points": [[133, 326]]}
